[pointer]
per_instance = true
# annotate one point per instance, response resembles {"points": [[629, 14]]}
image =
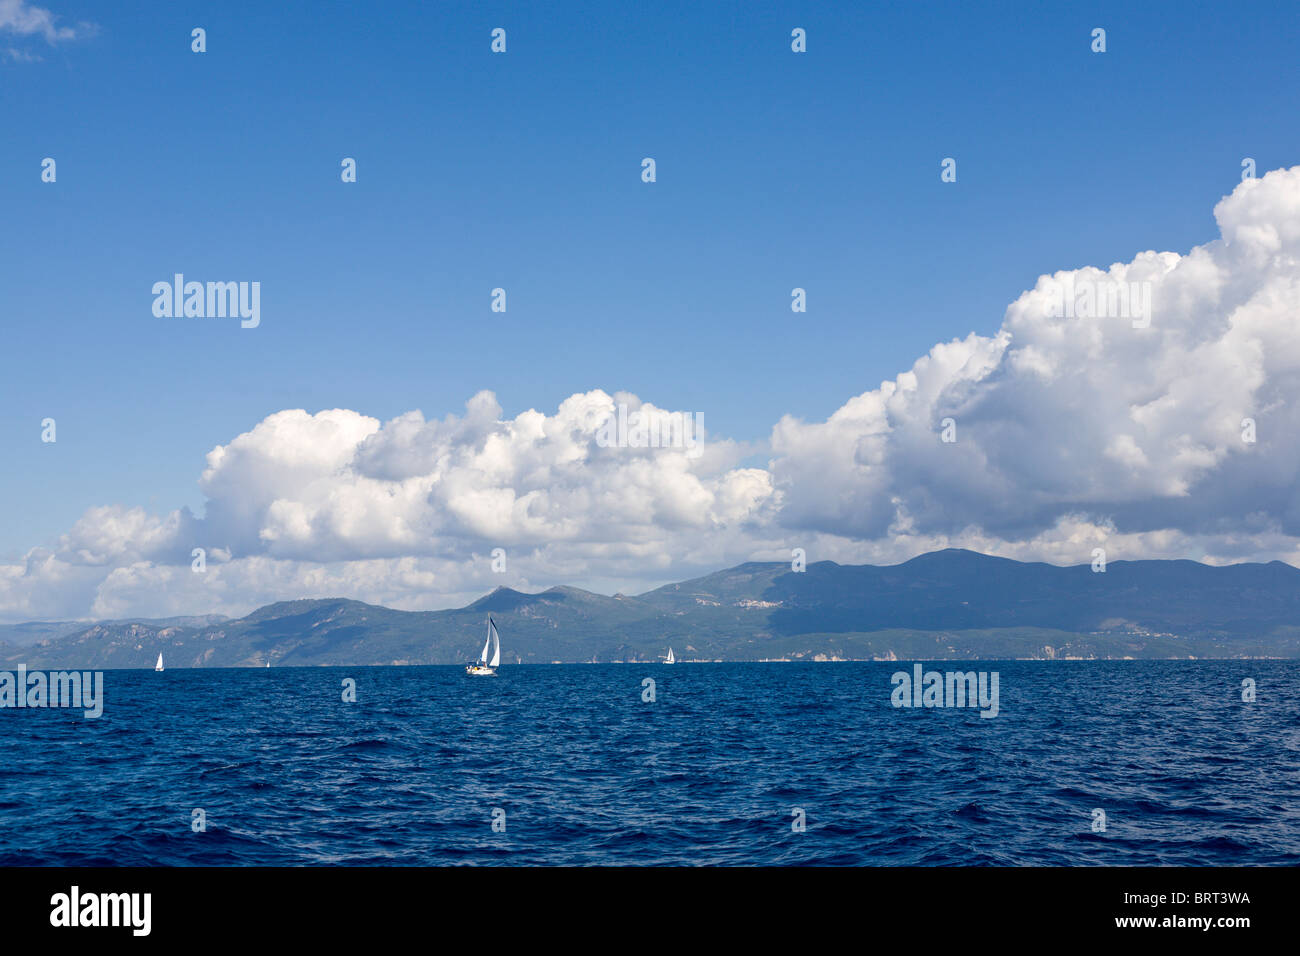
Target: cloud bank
{"points": [[1168, 433]]}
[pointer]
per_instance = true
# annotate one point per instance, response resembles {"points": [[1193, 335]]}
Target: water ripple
{"points": [[715, 771]]}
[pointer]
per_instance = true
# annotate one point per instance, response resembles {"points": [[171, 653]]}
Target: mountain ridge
{"points": [[951, 603]]}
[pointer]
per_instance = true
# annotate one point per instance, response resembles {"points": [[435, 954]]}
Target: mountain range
{"points": [[950, 604]]}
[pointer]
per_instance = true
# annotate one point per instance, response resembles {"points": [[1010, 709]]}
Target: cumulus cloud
{"points": [[1134, 423], [1087, 419], [408, 513]]}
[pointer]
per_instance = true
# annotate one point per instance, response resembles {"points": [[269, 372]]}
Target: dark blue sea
{"points": [[710, 772]]}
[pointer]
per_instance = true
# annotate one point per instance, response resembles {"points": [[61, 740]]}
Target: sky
{"points": [[345, 447]]}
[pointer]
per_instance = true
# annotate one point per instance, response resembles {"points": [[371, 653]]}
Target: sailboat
{"points": [[158, 666], [484, 667], [670, 659]]}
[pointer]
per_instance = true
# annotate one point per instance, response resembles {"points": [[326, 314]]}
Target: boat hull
{"points": [[475, 670]]}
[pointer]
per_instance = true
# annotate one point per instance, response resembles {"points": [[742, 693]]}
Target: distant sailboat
{"points": [[268, 663], [158, 666], [670, 659], [484, 667]]}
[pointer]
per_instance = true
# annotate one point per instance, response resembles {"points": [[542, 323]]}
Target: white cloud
{"points": [[1072, 433], [1139, 427], [24, 19]]}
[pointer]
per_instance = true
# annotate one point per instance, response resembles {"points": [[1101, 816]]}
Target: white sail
{"points": [[670, 659], [158, 666], [483, 667]]}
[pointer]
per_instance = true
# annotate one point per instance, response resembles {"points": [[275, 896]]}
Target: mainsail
{"points": [[495, 640]]}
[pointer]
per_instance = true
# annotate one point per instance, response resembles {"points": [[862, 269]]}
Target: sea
{"points": [[765, 764]]}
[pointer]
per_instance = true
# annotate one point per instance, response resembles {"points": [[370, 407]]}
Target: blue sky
{"points": [[775, 170]]}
